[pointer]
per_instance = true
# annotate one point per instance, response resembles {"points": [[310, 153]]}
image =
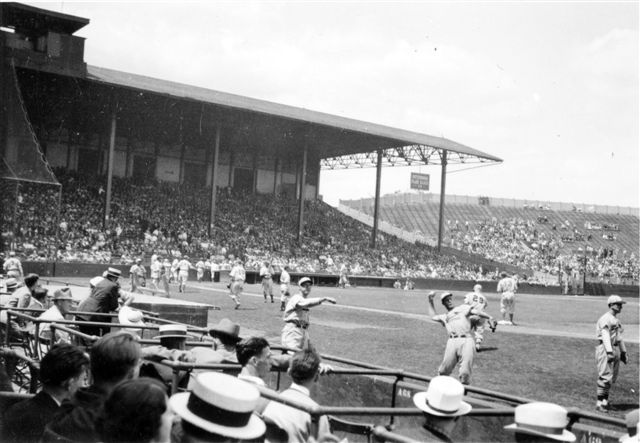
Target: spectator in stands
{"points": [[254, 355], [103, 299], [8, 299], [152, 417], [114, 358], [631, 420], [540, 422], [219, 408], [442, 406], [172, 346], [226, 335], [38, 301], [304, 370], [62, 303], [63, 370], [25, 292]]}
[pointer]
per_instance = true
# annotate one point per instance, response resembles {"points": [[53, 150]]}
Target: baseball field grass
{"points": [[548, 356]]}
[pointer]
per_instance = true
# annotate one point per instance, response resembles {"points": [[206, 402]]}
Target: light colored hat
{"points": [[542, 419], [477, 287], [138, 260], [62, 294], [129, 316], [95, 280], [445, 295], [443, 398], [304, 280], [631, 420], [614, 299], [221, 404], [226, 327], [113, 272], [11, 283], [172, 331]]}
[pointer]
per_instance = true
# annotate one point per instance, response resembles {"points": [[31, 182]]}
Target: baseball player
{"points": [[200, 266], [237, 275], [285, 281], [295, 333], [610, 350], [478, 301], [155, 268], [266, 271], [508, 287], [137, 275], [183, 273], [13, 267], [460, 345]]}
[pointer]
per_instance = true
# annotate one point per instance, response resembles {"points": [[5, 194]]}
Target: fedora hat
{"points": [[304, 280], [542, 419], [226, 327], [443, 398], [172, 331], [62, 294], [113, 272], [130, 316], [221, 404]]}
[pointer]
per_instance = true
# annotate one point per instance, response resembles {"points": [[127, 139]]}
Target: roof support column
{"points": [[443, 182], [376, 202], [112, 148], [303, 179], [275, 174], [214, 176]]}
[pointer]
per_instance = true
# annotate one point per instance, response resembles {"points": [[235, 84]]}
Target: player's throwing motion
{"points": [[477, 301], [460, 345], [508, 287]]}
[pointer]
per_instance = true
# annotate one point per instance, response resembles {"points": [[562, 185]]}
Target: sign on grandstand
{"points": [[420, 181]]}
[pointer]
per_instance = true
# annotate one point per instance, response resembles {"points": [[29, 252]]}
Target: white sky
{"points": [[550, 87]]}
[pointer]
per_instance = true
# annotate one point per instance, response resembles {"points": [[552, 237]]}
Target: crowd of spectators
{"points": [[67, 224]]}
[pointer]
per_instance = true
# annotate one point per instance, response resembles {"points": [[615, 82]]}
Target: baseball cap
{"points": [[305, 280], [445, 295], [614, 299]]}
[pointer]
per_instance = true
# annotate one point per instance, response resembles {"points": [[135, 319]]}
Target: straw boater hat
{"points": [[226, 327], [543, 420], [221, 404], [172, 331], [443, 398], [11, 283], [113, 272]]}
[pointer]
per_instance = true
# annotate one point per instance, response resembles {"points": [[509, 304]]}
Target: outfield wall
{"points": [[90, 270]]}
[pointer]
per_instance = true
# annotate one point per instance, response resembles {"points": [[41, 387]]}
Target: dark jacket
{"points": [[76, 420], [103, 299], [25, 421]]}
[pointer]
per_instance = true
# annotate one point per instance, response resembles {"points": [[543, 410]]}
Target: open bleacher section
{"points": [[541, 237]]}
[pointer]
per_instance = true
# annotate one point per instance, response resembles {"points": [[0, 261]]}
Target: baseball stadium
{"points": [[171, 243]]}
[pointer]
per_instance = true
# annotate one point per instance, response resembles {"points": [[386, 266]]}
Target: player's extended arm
{"points": [[432, 309], [316, 301]]}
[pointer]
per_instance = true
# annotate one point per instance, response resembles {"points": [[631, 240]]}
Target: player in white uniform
{"points": [[200, 266], [237, 276], [507, 286], [285, 281], [13, 267], [460, 345], [477, 301], [266, 272], [183, 273], [137, 275], [156, 268]]}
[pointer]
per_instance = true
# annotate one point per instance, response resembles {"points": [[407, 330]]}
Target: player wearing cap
{"points": [[266, 273], [12, 266], [137, 275], [478, 301], [237, 276], [461, 344], [296, 315], [609, 351], [507, 286], [183, 273], [285, 281]]}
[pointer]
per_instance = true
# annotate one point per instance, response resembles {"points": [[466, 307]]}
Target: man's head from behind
{"points": [[64, 367], [305, 366], [115, 357], [255, 353]]}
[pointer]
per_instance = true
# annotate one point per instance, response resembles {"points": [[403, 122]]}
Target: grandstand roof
{"points": [[339, 142]]}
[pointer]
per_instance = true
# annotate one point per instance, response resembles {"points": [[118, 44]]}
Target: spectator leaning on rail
{"points": [[610, 350], [62, 303], [295, 333], [62, 372], [103, 299], [116, 357]]}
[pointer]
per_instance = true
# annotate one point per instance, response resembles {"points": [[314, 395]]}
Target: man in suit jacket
{"points": [[62, 371]]}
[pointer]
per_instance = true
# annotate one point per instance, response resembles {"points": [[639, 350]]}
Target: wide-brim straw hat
{"points": [[443, 398], [543, 420]]}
